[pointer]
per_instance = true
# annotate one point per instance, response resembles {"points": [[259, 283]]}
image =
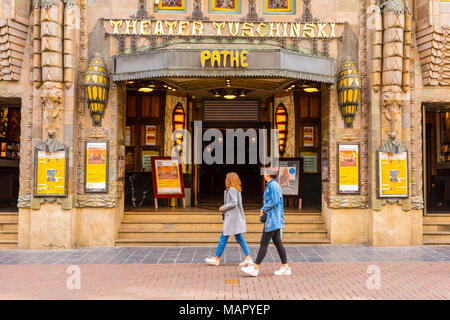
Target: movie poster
{"points": [[96, 166], [308, 136], [150, 135], [4, 123], [3, 149], [168, 178], [289, 176], [348, 157], [147, 156], [51, 174], [14, 124]]}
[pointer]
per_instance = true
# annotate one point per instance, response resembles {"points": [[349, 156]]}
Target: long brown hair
{"points": [[232, 180]]}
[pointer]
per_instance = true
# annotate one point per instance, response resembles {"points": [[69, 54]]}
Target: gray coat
{"points": [[234, 222]]}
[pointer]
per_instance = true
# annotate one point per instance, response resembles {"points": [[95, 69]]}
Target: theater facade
{"points": [[357, 91]]}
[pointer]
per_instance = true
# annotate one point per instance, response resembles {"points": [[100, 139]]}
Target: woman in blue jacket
{"points": [[273, 207]]}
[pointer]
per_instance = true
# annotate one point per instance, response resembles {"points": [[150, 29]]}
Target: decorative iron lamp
{"points": [[281, 123], [349, 91], [178, 117], [97, 88]]}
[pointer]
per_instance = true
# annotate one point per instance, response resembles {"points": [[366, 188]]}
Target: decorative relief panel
{"points": [[434, 51], [13, 35]]}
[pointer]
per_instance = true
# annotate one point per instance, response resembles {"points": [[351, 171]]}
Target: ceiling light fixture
{"points": [[145, 89], [311, 89], [229, 94]]}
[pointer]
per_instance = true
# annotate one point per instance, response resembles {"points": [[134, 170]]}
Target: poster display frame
{"points": [[358, 145], [156, 193], [96, 190], [66, 170], [379, 173]]}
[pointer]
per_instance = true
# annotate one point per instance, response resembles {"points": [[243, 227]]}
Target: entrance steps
{"points": [[200, 227], [436, 229], [9, 222]]}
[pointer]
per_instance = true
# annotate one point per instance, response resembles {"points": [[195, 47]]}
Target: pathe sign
{"points": [[224, 58]]}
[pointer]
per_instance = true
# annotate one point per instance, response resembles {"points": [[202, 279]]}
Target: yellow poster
{"points": [[393, 174], [348, 168], [96, 166], [168, 180], [51, 173]]}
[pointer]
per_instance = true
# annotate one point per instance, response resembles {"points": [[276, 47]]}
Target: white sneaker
{"points": [[283, 272], [212, 261], [251, 270], [246, 263]]}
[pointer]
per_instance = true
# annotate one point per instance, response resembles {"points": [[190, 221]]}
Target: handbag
{"points": [[263, 218]]}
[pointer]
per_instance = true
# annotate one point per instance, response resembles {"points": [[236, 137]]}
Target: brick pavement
{"points": [[332, 280]]}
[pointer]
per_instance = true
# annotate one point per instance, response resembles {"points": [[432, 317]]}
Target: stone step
{"points": [[9, 226], [8, 244], [436, 218], [9, 235], [436, 227], [252, 236], [436, 235], [216, 227], [203, 242], [445, 242], [9, 217]]}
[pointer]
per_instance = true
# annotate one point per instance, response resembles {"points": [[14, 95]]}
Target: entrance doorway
{"points": [[437, 158], [212, 176], [9, 153]]}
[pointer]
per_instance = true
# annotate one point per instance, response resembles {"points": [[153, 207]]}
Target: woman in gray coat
{"points": [[234, 220]]}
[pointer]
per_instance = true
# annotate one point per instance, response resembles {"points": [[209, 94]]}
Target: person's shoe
{"points": [[283, 272], [246, 263], [251, 270], [212, 261]]}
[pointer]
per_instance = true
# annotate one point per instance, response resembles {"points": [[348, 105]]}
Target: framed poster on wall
{"points": [[392, 175], [348, 168], [150, 135], [51, 173], [97, 155], [308, 136], [290, 175], [167, 177], [309, 162]]}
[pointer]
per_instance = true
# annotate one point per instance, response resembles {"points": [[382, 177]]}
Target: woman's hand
{"points": [[220, 209], [261, 212]]}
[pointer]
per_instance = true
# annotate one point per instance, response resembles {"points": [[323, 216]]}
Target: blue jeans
{"points": [[223, 243]]}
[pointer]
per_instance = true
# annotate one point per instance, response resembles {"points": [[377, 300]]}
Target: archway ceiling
{"points": [[259, 87]]}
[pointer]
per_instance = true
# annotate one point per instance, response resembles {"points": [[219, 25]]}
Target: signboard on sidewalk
{"points": [[167, 177]]}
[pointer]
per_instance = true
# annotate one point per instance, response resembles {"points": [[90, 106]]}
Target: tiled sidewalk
{"points": [[233, 254], [397, 280]]}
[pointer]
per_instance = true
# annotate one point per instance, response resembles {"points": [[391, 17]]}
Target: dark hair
{"points": [[272, 172]]}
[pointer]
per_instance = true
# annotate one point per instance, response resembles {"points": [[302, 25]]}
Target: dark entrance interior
{"points": [[212, 177], [9, 153], [437, 159]]}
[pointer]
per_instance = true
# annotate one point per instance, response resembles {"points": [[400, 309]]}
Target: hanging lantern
{"points": [[178, 117], [97, 87], [349, 91], [281, 122]]}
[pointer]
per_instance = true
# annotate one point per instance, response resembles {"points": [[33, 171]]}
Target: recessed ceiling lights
{"points": [[145, 89]]}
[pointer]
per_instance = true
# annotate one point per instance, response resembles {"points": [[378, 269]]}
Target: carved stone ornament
{"points": [[397, 6], [252, 15], [392, 146], [342, 202], [51, 144], [197, 13]]}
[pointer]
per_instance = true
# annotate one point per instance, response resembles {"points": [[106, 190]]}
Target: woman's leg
{"points": [[280, 247], [264, 244], [221, 246], [240, 239]]}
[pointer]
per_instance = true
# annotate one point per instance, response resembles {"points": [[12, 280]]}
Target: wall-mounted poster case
{"points": [[348, 168], [51, 173], [392, 175], [97, 154]]}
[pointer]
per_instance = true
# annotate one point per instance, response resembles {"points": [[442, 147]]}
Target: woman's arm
{"points": [[273, 197], [233, 202]]}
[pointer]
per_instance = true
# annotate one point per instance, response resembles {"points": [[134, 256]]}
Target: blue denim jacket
{"points": [[273, 206]]}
